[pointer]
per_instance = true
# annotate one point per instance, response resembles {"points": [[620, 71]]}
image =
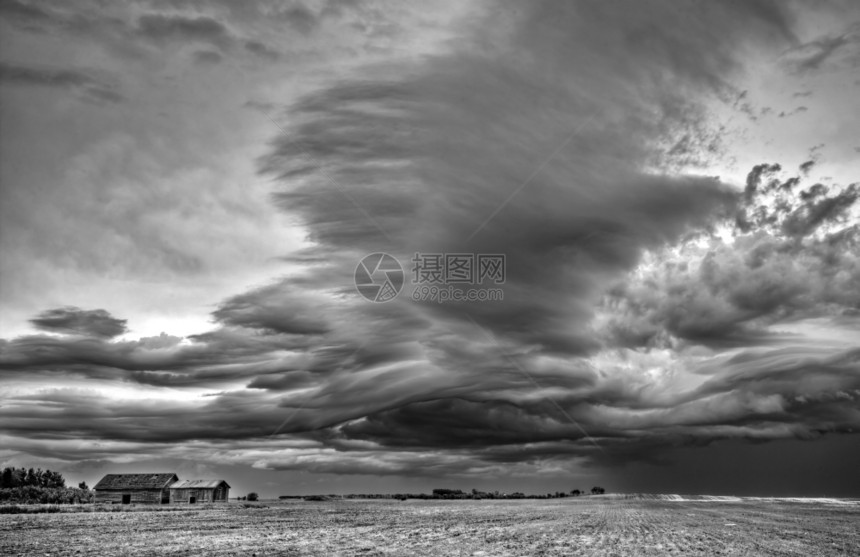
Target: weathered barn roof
{"points": [[198, 484], [136, 481]]}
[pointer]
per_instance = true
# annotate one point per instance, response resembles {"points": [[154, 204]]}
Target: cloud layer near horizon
{"points": [[644, 308]]}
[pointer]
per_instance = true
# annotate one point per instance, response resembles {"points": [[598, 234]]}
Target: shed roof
{"points": [[136, 481], [198, 484]]}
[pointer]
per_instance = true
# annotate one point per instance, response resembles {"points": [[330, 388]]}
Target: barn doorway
{"points": [[192, 499], [126, 498]]}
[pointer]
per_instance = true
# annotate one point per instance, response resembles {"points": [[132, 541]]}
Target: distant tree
{"points": [[83, 485], [597, 490], [576, 493], [51, 479], [252, 496], [8, 478], [442, 493]]}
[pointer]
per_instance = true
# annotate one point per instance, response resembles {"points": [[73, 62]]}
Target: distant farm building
{"points": [[159, 489], [199, 491], [134, 488]]}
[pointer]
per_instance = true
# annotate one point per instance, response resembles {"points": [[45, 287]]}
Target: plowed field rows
{"points": [[593, 526]]}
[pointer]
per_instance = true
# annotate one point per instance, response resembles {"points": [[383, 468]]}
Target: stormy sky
{"points": [[188, 187]]}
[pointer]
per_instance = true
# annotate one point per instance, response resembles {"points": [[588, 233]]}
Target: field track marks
{"points": [[583, 526]]}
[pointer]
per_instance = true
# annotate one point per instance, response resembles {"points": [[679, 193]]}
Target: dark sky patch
{"points": [[71, 320], [93, 88]]}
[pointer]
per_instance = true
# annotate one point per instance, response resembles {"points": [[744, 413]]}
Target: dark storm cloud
{"points": [[203, 360], [92, 416], [728, 294], [770, 395], [587, 213], [92, 87], [423, 164], [294, 379], [760, 394], [815, 212], [454, 422], [272, 309], [548, 135], [71, 320]]}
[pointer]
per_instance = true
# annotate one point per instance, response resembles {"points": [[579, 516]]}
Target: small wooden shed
{"points": [[135, 488], [199, 491]]}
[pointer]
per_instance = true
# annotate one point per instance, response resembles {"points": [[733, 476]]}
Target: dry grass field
{"points": [[600, 526]]}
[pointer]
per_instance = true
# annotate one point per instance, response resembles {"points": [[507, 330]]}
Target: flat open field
{"points": [[600, 526]]}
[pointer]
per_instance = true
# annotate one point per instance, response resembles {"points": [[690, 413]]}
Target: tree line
{"points": [[21, 477], [20, 485], [443, 493]]}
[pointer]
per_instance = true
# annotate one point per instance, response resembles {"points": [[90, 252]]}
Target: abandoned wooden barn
{"points": [[199, 491], [134, 488]]}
